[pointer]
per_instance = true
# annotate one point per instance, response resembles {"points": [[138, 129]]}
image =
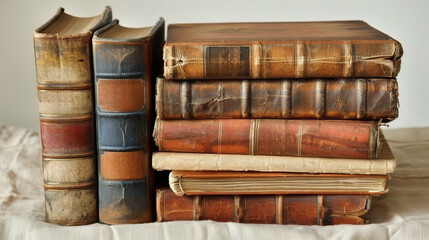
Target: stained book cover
{"points": [[366, 99], [279, 50], [127, 60], [275, 137], [383, 165], [62, 48], [261, 183], [273, 209]]}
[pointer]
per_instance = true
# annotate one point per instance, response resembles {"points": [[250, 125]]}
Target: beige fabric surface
{"points": [[403, 213]]}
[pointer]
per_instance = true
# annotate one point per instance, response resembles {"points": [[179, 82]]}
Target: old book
{"points": [[373, 98], [279, 50], [127, 61], [384, 164], [276, 137], [274, 209], [63, 53], [248, 183]]}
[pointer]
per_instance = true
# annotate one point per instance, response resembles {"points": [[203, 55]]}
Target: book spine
{"points": [[274, 209], [64, 83], [288, 59], [300, 98], [276, 137], [123, 86]]}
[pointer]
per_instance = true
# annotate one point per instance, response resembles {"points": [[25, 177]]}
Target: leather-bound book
{"points": [[63, 53], [260, 183], [275, 209], [275, 137], [384, 164], [373, 98], [279, 50], [127, 61]]}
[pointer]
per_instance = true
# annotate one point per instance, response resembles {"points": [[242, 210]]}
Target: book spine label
{"points": [[64, 82], [289, 59], [123, 86], [274, 209], [277, 137], [289, 98]]}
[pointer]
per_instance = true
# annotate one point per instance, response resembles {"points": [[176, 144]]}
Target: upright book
{"points": [[279, 50], [127, 61], [63, 54], [278, 209], [340, 98]]}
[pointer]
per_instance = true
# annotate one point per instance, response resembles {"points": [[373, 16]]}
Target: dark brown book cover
{"points": [[279, 50], [287, 98], [278, 137], [126, 62], [274, 209], [63, 56]]}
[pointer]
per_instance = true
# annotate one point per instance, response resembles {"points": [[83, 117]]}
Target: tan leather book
{"points": [[249, 183], [276, 137], [274, 209], [63, 55], [279, 50], [341, 98], [384, 164]]}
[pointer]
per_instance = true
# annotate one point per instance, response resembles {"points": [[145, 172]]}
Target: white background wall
{"points": [[406, 21]]}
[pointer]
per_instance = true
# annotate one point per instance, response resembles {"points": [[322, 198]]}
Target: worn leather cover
{"points": [[288, 98], [125, 68], [279, 50], [274, 209], [260, 183], [277, 137], [64, 83]]}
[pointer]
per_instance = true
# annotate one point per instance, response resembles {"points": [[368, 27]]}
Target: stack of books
{"points": [[275, 122]]}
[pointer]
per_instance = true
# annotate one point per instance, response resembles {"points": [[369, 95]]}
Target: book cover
{"points": [[272, 209], [260, 183], [62, 48], [366, 99], [383, 165], [127, 61], [275, 137], [279, 50]]}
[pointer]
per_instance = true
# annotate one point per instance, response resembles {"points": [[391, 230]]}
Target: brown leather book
{"points": [[248, 183], [62, 48], [279, 50], [275, 209], [288, 98], [277, 137]]}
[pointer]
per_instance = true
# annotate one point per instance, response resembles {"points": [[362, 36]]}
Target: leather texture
{"points": [[288, 98], [274, 209], [125, 70], [279, 50], [277, 137], [64, 83]]}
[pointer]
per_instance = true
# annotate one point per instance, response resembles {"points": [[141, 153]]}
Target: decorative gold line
{"points": [[219, 140], [300, 138]]}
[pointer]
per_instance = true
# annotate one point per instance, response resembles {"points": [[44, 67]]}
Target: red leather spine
{"points": [[279, 137]]}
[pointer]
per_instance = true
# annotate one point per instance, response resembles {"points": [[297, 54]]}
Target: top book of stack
{"points": [[280, 50]]}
